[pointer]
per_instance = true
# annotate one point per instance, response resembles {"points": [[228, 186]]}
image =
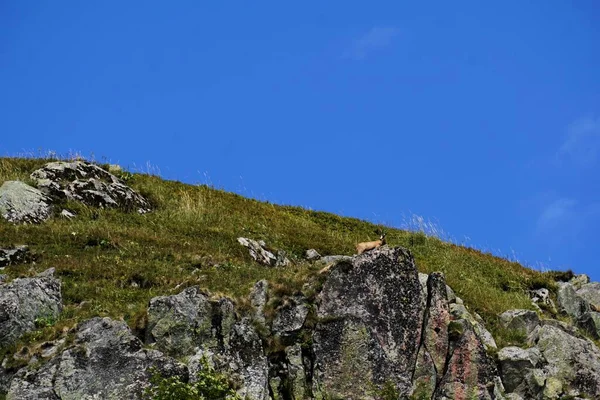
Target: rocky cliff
{"points": [[373, 327]]}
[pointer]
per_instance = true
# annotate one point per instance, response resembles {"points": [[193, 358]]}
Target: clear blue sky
{"points": [[484, 118]]}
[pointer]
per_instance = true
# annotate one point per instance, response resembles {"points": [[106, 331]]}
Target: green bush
{"points": [[210, 385]]}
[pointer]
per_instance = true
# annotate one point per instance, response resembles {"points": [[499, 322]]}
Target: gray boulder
{"points": [[89, 184], [21, 203], [523, 321], [579, 280], [25, 301], [105, 362], [590, 322], [370, 319], [569, 301], [572, 360], [18, 255], [178, 324], [516, 366], [290, 316], [590, 292]]}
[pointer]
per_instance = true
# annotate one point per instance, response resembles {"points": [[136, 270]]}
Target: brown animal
{"points": [[594, 307], [366, 246]]}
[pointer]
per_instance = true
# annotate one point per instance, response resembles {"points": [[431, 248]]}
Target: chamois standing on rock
{"points": [[366, 246]]}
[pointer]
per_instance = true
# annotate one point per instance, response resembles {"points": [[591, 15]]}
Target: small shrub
{"points": [[45, 321], [210, 385]]}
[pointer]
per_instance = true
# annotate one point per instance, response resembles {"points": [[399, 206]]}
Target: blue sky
{"points": [[484, 118]]}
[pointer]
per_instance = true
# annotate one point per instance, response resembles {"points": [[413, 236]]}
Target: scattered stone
{"points": [[259, 253], [105, 361], [312, 255], [18, 255], [524, 321], [21, 203], [67, 214], [88, 183], [26, 301], [542, 296]]}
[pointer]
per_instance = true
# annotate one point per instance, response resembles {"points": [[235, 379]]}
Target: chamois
{"points": [[366, 246]]}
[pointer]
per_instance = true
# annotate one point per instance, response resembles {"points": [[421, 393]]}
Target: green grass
{"points": [[112, 263]]}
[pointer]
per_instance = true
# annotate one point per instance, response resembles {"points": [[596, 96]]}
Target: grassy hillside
{"points": [[111, 263]]}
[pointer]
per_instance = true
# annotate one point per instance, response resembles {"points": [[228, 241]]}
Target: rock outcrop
{"points": [[88, 183], [372, 328], [21, 203], [370, 321], [192, 324], [580, 299], [105, 362], [23, 302]]}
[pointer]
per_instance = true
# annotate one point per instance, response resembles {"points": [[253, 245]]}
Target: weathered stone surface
{"points": [[297, 376], [21, 203], [578, 280], [89, 184], [590, 292], [425, 376], [18, 255], [105, 362], [515, 366], [261, 254], [370, 320], [179, 323], [437, 318], [541, 298], [569, 302], [334, 259], [190, 322], [258, 299], [312, 255], [575, 361], [459, 311], [523, 321], [290, 317], [25, 300], [241, 357], [590, 322], [470, 372]]}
